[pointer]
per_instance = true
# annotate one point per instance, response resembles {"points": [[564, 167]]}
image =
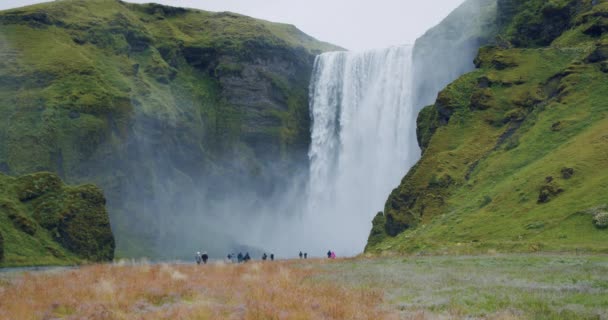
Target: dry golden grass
{"points": [[271, 290]]}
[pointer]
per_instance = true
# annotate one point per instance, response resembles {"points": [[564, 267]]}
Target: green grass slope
{"points": [[515, 153], [133, 97], [44, 222]]}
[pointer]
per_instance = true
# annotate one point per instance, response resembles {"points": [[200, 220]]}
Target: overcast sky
{"points": [[352, 24]]}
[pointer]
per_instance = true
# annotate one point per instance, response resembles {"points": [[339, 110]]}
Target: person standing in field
{"points": [[333, 255], [329, 254], [198, 258], [272, 257], [301, 255], [305, 255], [264, 256], [205, 257]]}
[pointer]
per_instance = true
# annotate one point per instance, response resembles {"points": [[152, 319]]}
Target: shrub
{"points": [[600, 219]]}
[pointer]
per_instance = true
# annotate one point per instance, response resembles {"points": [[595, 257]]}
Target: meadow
{"points": [[435, 287]]}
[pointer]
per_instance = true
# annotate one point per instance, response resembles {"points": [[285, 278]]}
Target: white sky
{"points": [[352, 24]]}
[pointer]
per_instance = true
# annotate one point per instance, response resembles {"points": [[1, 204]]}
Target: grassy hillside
{"points": [[44, 222], [150, 101], [515, 152]]}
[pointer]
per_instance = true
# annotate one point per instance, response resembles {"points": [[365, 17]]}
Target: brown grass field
{"points": [[511, 286], [255, 290]]}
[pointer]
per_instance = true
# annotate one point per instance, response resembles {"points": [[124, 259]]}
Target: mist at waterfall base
{"points": [[362, 143]]}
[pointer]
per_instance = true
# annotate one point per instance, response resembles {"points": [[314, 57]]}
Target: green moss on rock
{"points": [[59, 225]]}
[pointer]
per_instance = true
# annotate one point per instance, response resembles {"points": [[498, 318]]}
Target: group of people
{"points": [[201, 257], [240, 258], [265, 256]]}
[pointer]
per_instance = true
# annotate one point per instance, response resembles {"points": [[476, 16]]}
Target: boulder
{"points": [[549, 190], [567, 173]]}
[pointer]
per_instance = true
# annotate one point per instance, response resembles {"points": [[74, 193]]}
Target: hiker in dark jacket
{"points": [[239, 258], [264, 257], [305, 255], [247, 257], [301, 255], [272, 257], [328, 254], [205, 257]]}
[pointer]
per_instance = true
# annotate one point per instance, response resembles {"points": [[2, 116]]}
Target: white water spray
{"points": [[363, 142]]}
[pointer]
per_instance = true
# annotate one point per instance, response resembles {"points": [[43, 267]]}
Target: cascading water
{"points": [[363, 142]]}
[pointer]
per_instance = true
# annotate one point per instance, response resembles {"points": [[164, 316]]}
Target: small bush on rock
{"points": [[600, 219]]}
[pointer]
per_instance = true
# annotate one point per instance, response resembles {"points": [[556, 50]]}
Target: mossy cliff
{"points": [[514, 153], [447, 50], [44, 222], [150, 101]]}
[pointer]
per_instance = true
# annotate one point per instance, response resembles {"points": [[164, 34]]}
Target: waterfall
{"points": [[363, 141]]}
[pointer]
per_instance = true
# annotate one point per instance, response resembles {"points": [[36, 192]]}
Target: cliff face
{"points": [[43, 221], [154, 104], [514, 153], [446, 51]]}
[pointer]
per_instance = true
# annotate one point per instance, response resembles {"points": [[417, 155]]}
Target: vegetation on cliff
{"points": [[147, 99], [514, 153], [44, 222]]}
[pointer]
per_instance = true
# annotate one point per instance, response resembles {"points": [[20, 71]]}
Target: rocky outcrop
{"points": [[52, 222]]}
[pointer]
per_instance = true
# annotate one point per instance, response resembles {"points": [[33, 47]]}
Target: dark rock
{"points": [[38, 19], [202, 58], [483, 82], [79, 41], [482, 99], [599, 54], [549, 191], [74, 115], [556, 126], [567, 173], [166, 11], [445, 106], [598, 28], [426, 126], [393, 226]]}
